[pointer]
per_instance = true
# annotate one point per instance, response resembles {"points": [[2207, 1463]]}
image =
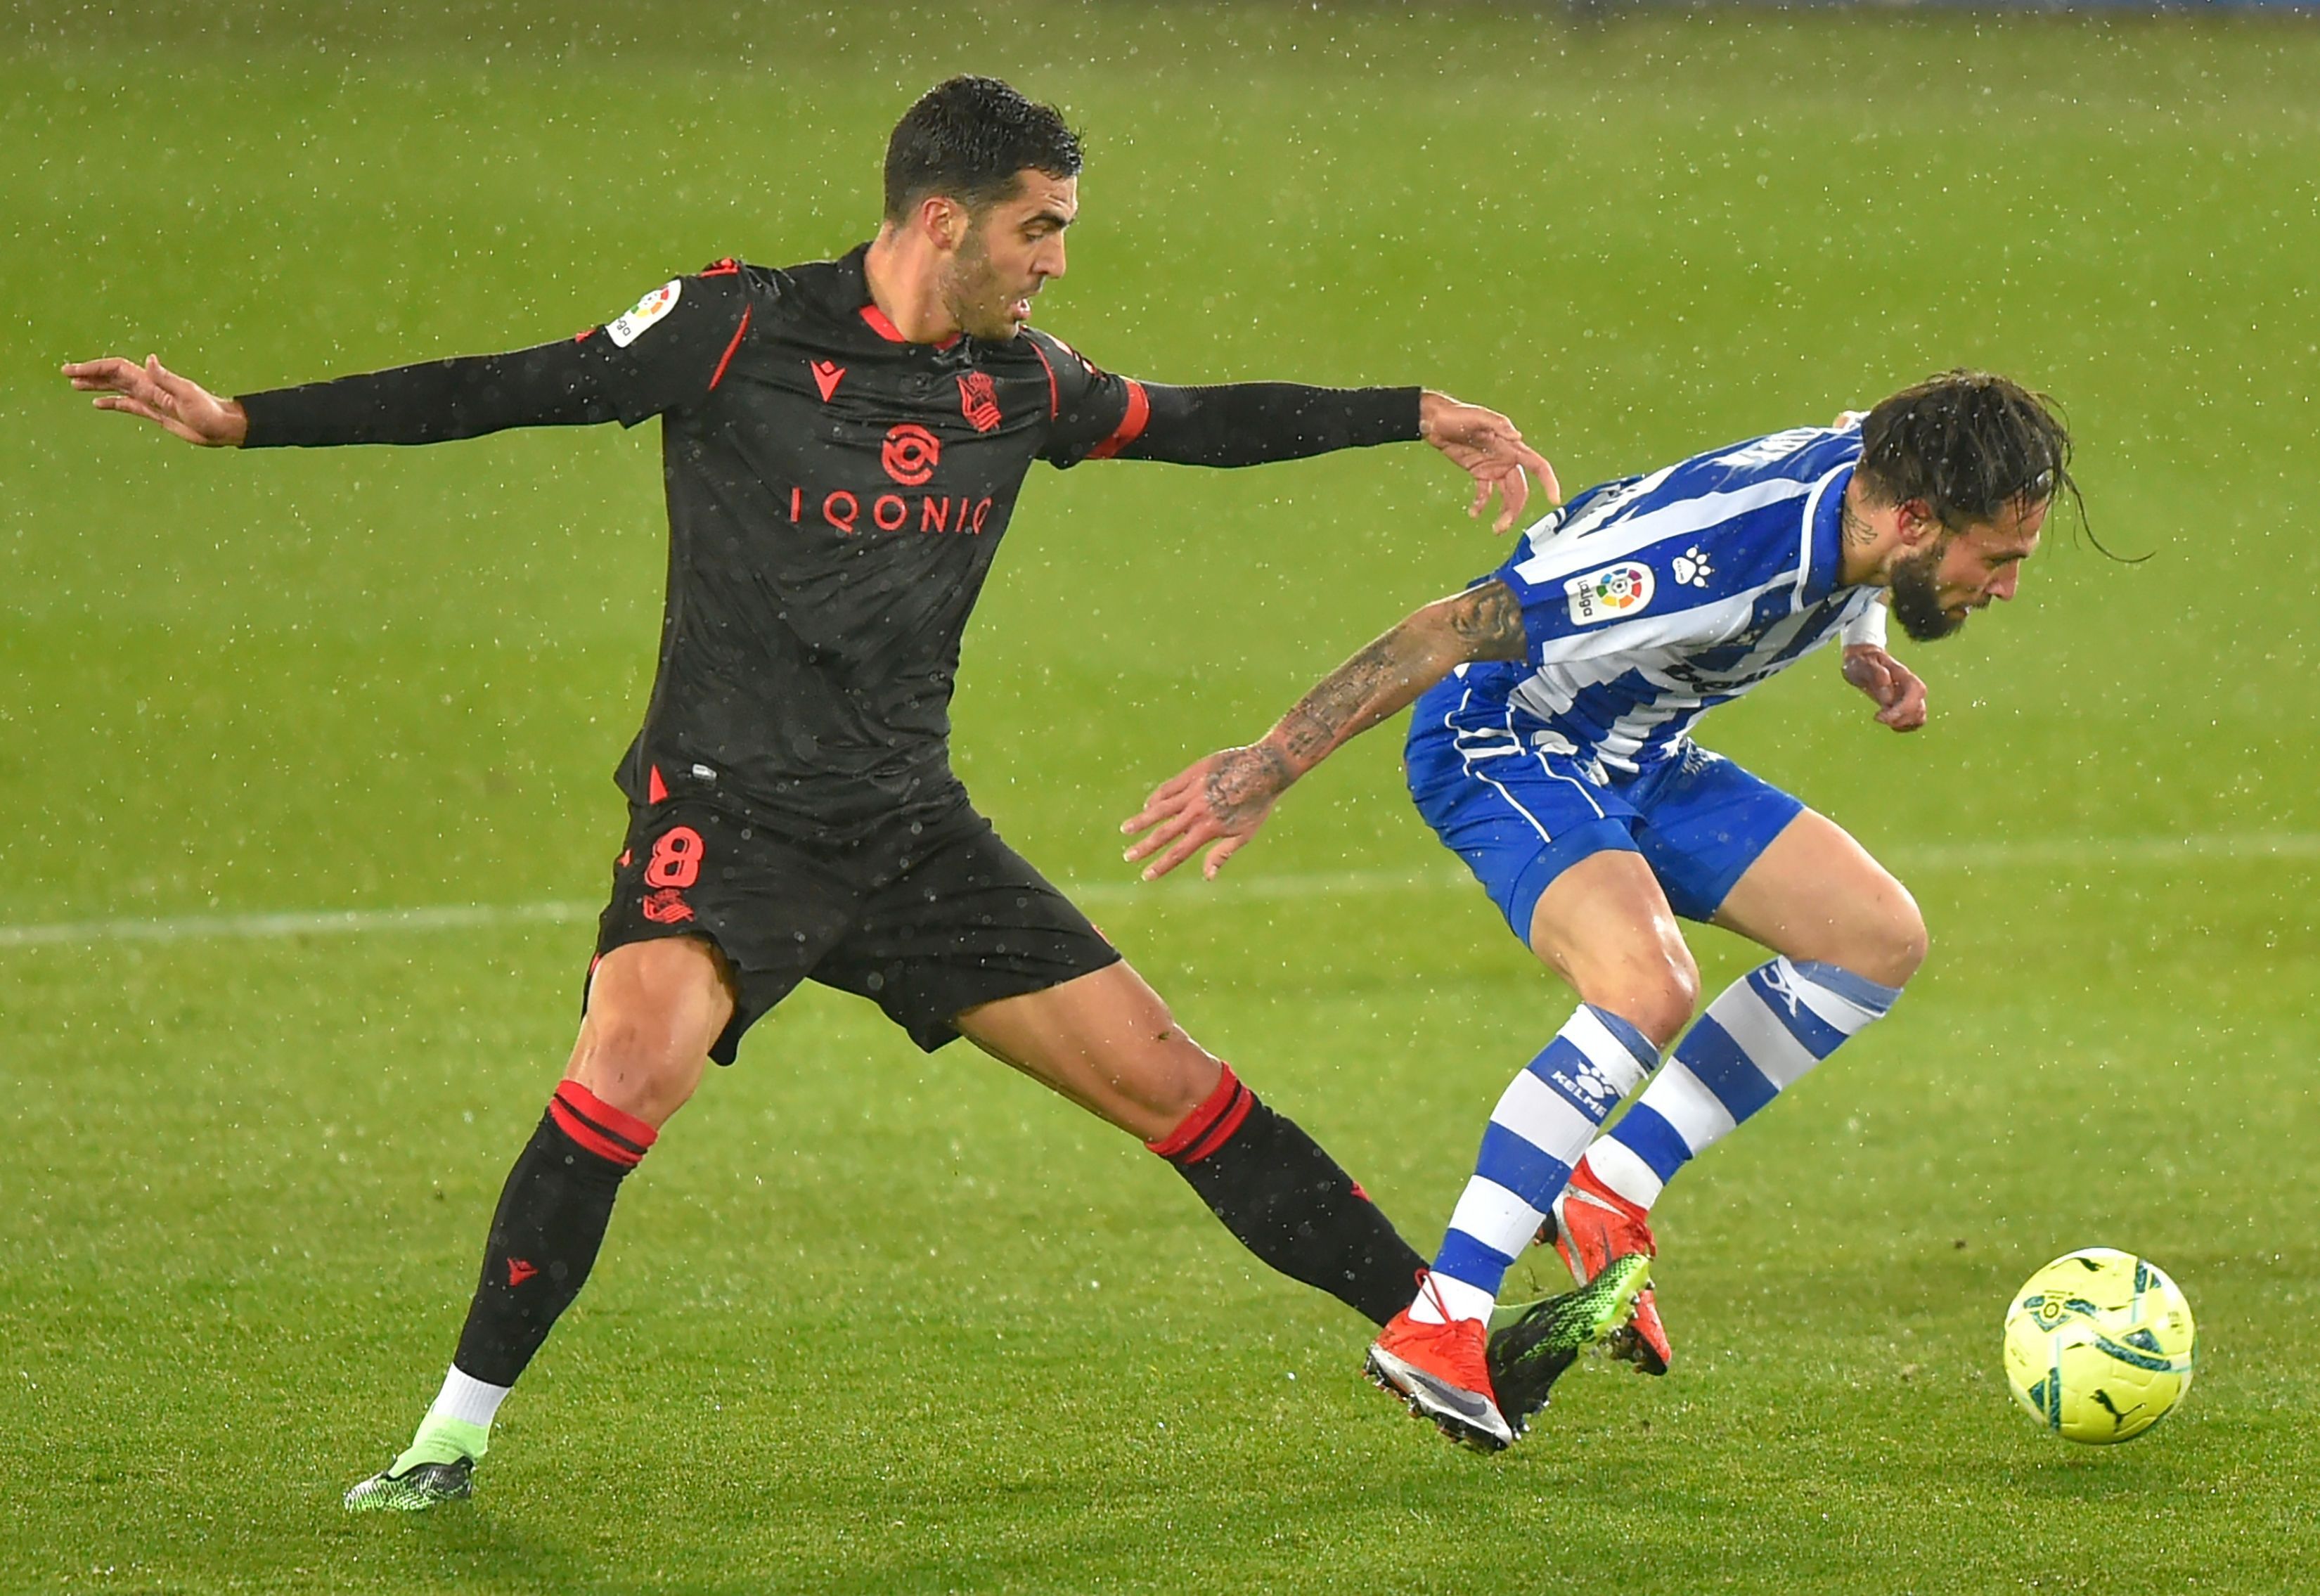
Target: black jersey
{"points": [[836, 496]]}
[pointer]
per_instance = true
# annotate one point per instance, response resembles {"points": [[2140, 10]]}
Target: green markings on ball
{"points": [[2099, 1345]]}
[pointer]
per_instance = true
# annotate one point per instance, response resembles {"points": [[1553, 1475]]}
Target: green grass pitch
{"points": [[877, 1321]]}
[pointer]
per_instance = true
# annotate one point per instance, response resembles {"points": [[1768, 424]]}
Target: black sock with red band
{"points": [[1289, 1202], [551, 1219]]}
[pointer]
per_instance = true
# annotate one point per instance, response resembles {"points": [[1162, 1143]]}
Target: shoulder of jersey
{"points": [[1037, 343], [1800, 452], [742, 276]]}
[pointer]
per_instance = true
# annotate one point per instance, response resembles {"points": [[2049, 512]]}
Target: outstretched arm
{"points": [[1099, 415], [1253, 423], [668, 351], [160, 395], [553, 385], [1224, 798]]}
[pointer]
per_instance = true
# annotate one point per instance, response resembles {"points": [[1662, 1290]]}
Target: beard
{"points": [[973, 296], [1917, 597]]}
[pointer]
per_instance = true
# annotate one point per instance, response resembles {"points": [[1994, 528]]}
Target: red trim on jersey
{"points": [[1222, 1107], [1054, 398], [655, 789], [1131, 425], [726, 267], [738, 334], [883, 326]]}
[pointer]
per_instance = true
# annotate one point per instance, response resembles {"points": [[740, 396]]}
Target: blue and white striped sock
{"points": [[1759, 1035], [1536, 1133]]}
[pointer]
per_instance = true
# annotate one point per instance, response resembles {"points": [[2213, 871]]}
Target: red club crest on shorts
{"points": [[666, 906], [978, 400], [910, 454]]}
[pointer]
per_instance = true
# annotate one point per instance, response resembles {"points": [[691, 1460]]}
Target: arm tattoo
{"points": [[1484, 622], [1312, 728], [1244, 781], [1489, 621]]}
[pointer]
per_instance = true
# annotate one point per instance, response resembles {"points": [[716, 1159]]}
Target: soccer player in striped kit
{"points": [[1551, 749]]}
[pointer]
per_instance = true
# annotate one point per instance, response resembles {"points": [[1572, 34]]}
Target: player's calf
{"points": [[1435, 1354], [1108, 1043], [1762, 1035], [1289, 1202], [654, 1009]]}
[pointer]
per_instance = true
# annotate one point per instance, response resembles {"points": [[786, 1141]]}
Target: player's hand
{"points": [[159, 395], [1489, 449], [1223, 800], [1899, 694]]}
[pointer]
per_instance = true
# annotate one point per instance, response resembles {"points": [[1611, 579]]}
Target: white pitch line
{"points": [[2086, 852], [203, 928]]}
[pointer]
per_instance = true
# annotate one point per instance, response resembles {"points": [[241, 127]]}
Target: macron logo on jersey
{"points": [[1611, 594]]}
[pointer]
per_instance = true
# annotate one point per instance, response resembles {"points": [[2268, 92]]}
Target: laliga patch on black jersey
{"points": [[630, 324]]}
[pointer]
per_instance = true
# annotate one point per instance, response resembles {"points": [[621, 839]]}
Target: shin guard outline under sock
{"points": [[1540, 1127], [1289, 1202], [551, 1218], [1759, 1038]]}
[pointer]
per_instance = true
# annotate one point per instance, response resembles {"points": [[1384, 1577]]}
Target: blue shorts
{"points": [[1520, 816]]}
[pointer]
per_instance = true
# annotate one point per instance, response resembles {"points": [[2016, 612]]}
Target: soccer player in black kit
{"points": [[843, 444]]}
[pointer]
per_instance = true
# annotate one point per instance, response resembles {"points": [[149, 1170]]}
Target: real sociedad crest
{"points": [[978, 400]]}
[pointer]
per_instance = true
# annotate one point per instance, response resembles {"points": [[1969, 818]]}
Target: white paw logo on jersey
{"points": [[1611, 594], [1692, 569], [651, 308]]}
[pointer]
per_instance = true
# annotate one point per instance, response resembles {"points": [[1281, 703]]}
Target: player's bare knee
{"points": [[1899, 949], [1890, 946], [1655, 990], [1664, 1005], [1186, 1078], [638, 1061]]}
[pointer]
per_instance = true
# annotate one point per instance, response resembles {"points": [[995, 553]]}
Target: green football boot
{"points": [[439, 1465], [1533, 1343]]}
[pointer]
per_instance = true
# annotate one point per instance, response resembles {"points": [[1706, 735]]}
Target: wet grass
{"points": [[873, 1320]]}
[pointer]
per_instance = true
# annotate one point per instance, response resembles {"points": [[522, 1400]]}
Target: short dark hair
{"points": [[1970, 444], [967, 138]]}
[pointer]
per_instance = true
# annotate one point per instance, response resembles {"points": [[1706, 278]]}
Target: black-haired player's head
{"points": [[986, 181], [1966, 464]]}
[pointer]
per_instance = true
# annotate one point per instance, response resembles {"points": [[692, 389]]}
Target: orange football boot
{"points": [[1594, 1225]]}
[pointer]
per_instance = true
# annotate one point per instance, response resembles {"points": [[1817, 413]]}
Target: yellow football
{"points": [[2099, 1345]]}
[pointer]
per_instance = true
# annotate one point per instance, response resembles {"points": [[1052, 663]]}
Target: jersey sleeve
{"points": [[665, 353], [671, 348], [1582, 602], [1091, 413], [1256, 424]]}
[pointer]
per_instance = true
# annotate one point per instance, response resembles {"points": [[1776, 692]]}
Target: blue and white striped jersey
{"points": [[1650, 601]]}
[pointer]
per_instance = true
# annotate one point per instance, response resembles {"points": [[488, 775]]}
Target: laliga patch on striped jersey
{"points": [[651, 308], [1611, 594]]}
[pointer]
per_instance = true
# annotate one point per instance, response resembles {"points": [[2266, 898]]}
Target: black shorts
{"points": [[926, 920]]}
